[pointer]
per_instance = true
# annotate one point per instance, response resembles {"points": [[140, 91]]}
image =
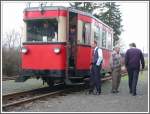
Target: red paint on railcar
{"points": [[42, 57], [84, 18], [106, 58], [83, 57], [46, 14]]}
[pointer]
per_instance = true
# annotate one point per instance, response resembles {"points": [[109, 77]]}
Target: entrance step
{"points": [[69, 82], [74, 77], [75, 84], [71, 71]]}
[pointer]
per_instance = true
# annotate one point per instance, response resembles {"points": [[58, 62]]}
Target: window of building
{"points": [[42, 30]]}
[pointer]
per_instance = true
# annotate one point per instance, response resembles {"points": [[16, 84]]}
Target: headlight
{"points": [[24, 50], [56, 50]]}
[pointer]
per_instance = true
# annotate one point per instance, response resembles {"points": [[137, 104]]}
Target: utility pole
{"points": [[28, 4], [42, 4]]}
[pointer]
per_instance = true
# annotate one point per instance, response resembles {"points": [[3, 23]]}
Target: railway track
{"points": [[6, 78], [109, 77], [15, 99]]}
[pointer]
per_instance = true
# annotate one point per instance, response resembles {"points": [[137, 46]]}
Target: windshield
{"points": [[42, 30]]}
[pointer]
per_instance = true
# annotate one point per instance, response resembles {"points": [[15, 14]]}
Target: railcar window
{"points": [[109, 41], [97, 35], [86, 33], [100, 37], [104, 39], [42, 30]]}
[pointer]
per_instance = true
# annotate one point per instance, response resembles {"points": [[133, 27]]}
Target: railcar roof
{"points": [[66, 8]]}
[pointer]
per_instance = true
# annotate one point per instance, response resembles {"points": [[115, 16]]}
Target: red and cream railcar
{"points": [[46, 52]]}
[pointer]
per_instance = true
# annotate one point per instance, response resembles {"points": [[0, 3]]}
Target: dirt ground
{"points": [[106, 102]]}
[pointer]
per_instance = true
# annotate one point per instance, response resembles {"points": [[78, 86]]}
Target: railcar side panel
{"points": [[106, 57], [83, 57]]}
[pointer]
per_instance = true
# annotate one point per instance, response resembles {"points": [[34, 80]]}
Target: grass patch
{"points": [[142, 76], [125, 77]]}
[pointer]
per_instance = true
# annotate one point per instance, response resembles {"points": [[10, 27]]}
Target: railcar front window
{"points": [[42, 30]]}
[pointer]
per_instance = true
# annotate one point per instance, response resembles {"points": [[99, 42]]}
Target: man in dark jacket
{"points": [[132, 61], [95, 78]]}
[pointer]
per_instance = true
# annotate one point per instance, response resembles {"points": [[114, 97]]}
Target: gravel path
{"points": [[107, 102], [11, 86]]}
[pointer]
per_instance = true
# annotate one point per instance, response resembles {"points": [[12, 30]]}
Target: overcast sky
{"points": [[135, 22]]}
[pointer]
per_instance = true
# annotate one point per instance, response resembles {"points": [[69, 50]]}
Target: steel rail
{"points": [[14, 99]]}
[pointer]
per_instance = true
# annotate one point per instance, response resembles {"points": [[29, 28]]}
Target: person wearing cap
{"points": [[115, 64], [133, 57], [72, 34], [48, 31]]}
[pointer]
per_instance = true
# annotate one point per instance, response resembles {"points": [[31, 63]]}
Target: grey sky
{"points": [[135, 17]]}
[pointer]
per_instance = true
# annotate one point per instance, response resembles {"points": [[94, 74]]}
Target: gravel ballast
{"points": [[106, 102]]}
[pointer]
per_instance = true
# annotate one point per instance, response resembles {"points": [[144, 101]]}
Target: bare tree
{"points": [[10, 53], [121, 44], [11, 39]]}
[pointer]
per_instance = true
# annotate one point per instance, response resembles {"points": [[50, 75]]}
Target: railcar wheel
{"points": [[50, 83]]}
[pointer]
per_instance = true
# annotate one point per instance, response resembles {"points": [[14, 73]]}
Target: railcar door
{"points": [[72, 43]]}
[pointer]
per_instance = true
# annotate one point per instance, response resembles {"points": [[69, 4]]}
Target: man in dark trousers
{"points": [[133, 57], [95, 78]]}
